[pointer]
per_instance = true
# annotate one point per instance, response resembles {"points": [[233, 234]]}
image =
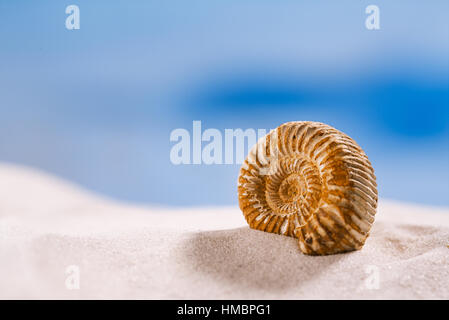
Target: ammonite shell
{"points": [[310, 181]]}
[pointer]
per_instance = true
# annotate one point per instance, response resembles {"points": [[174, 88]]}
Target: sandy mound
{"points": [[123, 251]]}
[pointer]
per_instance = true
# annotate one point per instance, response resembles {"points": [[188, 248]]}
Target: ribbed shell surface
{"points": [[310, 181]]}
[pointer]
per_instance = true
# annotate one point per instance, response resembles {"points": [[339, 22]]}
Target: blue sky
{"points": [[97, 105]]}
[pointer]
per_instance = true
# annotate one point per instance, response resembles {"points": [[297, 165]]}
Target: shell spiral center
{"points": [[294, 188]]}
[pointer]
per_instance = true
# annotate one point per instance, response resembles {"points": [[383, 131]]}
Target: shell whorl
{"points": [[310, 181]]}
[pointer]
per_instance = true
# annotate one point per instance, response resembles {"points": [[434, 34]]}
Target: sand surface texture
{"points": [[126, 251]]}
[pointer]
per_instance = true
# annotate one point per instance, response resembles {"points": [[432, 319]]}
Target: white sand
{"points": [[124, 251]]}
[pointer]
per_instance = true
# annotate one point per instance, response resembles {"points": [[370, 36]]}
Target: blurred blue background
{"points": [[97, 105]]}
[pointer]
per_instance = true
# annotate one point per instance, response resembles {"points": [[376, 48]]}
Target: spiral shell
{"points": [[310, 181]]}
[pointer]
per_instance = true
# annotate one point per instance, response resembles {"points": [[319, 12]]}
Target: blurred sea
{"points": [[97, 105]]}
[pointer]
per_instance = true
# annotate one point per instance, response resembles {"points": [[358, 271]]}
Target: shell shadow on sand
{"points": [[253, 258]]}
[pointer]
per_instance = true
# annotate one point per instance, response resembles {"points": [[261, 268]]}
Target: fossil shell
{"points": [[310, 181]]}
